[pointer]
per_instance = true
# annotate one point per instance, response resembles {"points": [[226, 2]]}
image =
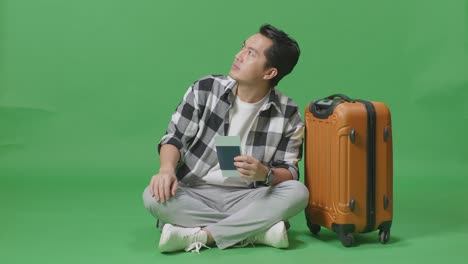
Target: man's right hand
{"points": [[163, 185]]}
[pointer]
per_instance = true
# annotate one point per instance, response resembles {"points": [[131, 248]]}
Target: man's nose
{"points": [[239, 56]]}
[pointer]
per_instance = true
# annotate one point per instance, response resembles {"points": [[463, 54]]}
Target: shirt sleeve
{"points": [[289, 151], [184, 123]]}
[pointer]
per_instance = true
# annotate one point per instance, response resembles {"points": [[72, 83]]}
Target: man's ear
{"points": [[270, 73]]}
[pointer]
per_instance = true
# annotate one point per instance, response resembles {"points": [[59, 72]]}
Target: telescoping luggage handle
{"points": [[323, 108]]}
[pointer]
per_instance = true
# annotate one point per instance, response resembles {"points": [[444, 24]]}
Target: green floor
{"points": [[87, 89], [47, 218]]}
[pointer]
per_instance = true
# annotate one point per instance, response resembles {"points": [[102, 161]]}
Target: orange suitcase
{"points": [[349, 167]]}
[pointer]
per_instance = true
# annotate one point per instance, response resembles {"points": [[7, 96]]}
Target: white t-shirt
{"points": [[242, 116]]}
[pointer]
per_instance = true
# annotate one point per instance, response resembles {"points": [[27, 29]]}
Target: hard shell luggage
{"points": [[349, 167]]}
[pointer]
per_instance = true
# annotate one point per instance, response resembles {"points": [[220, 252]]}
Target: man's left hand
{"points": [[250, 168]]}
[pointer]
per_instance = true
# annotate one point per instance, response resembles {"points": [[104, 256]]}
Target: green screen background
{"points": [[87, 89]]}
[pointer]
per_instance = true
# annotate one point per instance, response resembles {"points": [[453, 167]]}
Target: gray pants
{"points": [[230, 214]]}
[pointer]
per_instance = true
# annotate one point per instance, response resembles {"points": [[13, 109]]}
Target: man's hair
{"points": [[283, 54]]}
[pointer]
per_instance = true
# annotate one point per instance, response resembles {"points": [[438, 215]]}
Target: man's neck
{"points": [[250, 93]]}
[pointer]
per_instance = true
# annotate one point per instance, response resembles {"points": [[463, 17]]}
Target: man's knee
{"points": [[164, 211], [150, 202], [153, 207], [296, 191]]}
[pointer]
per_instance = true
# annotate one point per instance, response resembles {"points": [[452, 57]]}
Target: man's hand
{"points": [[163, 185], [250, 168]]}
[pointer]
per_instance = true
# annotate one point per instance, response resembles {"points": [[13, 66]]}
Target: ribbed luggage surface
{"points": [[349, 167]]}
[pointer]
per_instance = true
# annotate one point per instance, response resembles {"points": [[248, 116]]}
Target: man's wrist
{"points": [[166, 170], [269, 177]]}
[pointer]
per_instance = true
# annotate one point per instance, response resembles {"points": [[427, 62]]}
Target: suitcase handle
{"points": [[324, 108], [342, 96]]}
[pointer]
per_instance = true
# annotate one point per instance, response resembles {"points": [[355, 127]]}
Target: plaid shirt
{"points": [[275, 138]]}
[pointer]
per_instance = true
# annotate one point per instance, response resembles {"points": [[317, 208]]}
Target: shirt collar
{"points": [[273, 98]]}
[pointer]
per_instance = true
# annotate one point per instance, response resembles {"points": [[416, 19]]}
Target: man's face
{"points": [[249, 64]]}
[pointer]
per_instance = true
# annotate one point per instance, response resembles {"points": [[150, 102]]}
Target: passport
{"points": [[227, 148]]}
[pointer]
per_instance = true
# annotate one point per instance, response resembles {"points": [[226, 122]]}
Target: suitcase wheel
{"points": [[384, 236], [346, 239], [315, 229]]}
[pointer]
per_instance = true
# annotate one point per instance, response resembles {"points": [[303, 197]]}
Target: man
{"points": [[199, 205]]}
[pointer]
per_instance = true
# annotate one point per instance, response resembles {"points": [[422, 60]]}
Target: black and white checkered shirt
{"points": [[275, 138]]}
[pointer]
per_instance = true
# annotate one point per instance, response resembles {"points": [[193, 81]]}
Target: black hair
{"points": [[283, 54]]}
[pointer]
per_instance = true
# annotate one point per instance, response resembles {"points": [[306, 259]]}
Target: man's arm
{"points": [[174, 144], [184, 122], [289, 150], [251, 168], [164, 184], [281, 175]]}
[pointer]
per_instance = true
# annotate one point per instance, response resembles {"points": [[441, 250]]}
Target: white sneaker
{"points": [[276, 236], [174, 238]]}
